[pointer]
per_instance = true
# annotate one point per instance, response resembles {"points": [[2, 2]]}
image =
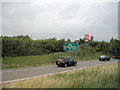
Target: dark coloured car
{"points": [[104, 57], [65, 62]]}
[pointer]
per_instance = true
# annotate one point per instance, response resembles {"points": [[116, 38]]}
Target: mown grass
{"points": [[96, 77], [29, 61], [48, 59]]}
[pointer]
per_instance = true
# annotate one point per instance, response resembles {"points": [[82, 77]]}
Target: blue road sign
{"points": [[86, 44]]}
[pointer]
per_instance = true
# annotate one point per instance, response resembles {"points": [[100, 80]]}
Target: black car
{"points": [[66, 62], [104, 57]]}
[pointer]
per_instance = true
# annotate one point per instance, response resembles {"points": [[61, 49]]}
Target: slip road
{"points": [[22, 74]]}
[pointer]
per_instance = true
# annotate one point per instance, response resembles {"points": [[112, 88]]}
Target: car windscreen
{"points": [[106, 56], [60, 59], [102, 56], [71, 60]]}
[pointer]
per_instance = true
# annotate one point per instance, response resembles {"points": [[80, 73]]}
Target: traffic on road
{"points": [[21, 74], [65, 61]]}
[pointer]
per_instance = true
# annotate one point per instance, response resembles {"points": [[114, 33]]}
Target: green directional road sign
{"points": [[70, 46]]}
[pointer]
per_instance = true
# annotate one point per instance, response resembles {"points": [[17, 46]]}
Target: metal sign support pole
{"points": [[70, 52]]}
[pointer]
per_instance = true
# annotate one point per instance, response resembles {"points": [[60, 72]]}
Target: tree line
{"points": [[23, 45]]}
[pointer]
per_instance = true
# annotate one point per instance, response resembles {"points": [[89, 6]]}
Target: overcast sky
{"points": [[72, 19]]}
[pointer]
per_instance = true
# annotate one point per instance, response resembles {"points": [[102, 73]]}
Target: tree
{"points": [[81, 41], [115, 42], [112, 39], [93, 43], [91, 38], [68, 41], [60, 44]]}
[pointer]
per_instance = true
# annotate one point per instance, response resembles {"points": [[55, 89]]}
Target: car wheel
{"points": [[58, 65], [105, 59], [75, 64]]}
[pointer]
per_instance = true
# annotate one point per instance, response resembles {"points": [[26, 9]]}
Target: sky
{"points": [[43, 19]]}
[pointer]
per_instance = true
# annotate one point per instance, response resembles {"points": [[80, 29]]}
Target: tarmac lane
{"points": [[22, 74]]}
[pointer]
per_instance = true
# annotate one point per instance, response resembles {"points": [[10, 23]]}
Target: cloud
{"points": [[62, 19], [70, 11]]}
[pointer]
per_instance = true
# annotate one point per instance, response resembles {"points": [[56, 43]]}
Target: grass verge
{"points": [[48, 59], [95, 77]]}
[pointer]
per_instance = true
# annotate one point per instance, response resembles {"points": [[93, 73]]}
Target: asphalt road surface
{"points": [[22, 74]]}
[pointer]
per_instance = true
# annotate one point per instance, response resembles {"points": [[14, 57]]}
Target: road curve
{"points": [[21, 74]]}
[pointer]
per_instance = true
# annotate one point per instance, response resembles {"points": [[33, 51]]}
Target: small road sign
{"points": [[86, 44]]}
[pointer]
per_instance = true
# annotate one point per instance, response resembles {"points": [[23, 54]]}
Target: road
{"points": [[22, 74]]}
